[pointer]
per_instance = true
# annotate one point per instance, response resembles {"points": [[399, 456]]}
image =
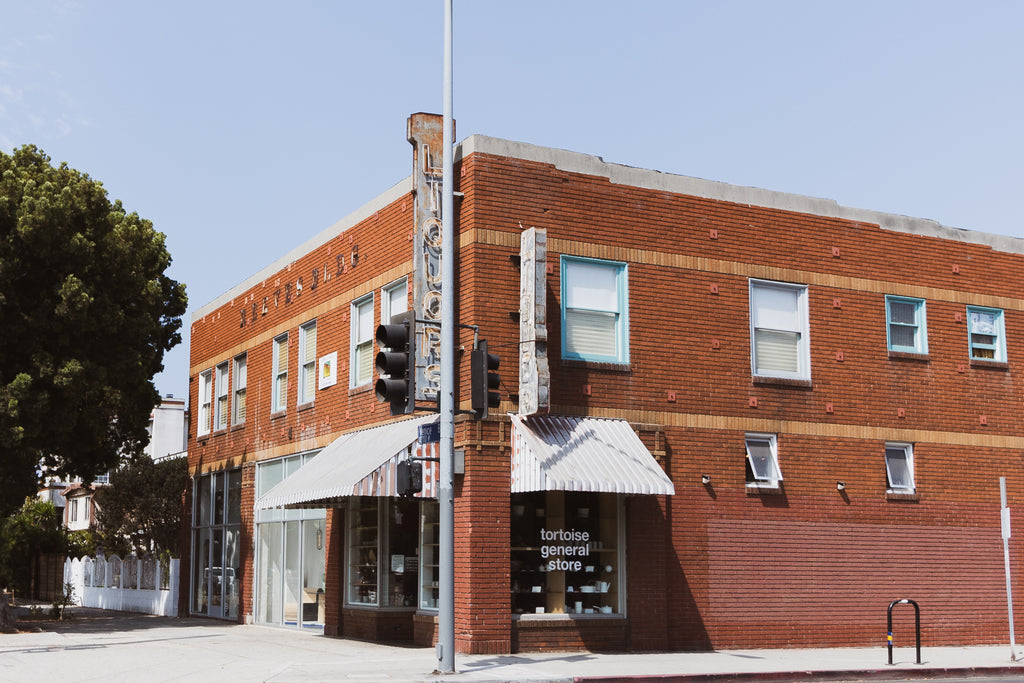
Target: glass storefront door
{"points": [[291, 555], [291, 574]]}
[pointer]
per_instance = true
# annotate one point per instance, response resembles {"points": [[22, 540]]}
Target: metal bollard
{"points": [[917, 625]]}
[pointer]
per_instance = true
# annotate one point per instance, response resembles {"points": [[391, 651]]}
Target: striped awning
{"points": [[565, 453], [360, 463]]}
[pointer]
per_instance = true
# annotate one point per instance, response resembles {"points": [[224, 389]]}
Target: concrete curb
{"points": [[887, 674]]}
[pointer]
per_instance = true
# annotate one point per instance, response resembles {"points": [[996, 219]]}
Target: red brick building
{"points": [[745, 418]]}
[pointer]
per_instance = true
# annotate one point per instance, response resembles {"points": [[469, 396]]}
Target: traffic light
{"points": [[396, 363], [409, 477], [484, 380]]}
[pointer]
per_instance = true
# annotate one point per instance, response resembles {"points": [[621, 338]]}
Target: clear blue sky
{"points": [[241, 129]]}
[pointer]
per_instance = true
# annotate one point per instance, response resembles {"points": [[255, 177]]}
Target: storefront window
{"points": [[383, 552], [566, 553]]}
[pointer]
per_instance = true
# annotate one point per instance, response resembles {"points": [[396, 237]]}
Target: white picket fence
{"points": [[129, 585]]}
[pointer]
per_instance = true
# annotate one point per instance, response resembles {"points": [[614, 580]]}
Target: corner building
{"points": [[730, 418]]}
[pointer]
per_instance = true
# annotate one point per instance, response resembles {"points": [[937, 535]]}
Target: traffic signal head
{"points": [[409, 476], [484, 380], [396, 363]]}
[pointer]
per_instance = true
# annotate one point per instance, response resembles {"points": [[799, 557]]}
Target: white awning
{"points": [[360, 463], [564, 453]]}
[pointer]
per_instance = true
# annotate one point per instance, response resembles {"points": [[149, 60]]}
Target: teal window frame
{"points": [[976, 344], [919, 325], [620, 310]]}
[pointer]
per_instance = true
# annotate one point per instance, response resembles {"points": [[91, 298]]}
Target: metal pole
{"points": [[445, 494], [1005, 526]]}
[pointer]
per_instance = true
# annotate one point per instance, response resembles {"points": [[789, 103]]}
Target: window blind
{"points": [[776, 351], [591, 333]]}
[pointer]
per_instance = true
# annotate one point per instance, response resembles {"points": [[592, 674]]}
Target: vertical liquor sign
{"points": [[534, 377], [425, 133]]}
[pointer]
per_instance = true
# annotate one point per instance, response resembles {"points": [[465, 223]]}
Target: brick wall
{"points": [[809, 565], [712, 566]]}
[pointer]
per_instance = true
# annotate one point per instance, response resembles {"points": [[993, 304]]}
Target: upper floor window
{"points": [[221, 386], [307, 362], [899, 467], [238, 416], [779, 330], [279, 397], [906, 327], [362, 341], [762, 460], [987, 336], [393, 300], [595, 310], [204, 423]]}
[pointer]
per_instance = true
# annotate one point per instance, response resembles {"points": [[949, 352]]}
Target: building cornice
{"points": [[586, 164]]}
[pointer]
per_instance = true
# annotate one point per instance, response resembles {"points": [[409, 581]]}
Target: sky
{"points": [[242, 129]]}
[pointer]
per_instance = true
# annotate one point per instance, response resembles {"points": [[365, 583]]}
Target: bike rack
{"points": [[917, 625]]}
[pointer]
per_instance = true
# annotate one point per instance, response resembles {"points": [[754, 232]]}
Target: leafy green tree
{"points": [[87, 314], [140, 510], [31, 531], [82, 543]]}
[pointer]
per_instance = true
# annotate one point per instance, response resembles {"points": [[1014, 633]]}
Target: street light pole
{"points": [[445, 493]]}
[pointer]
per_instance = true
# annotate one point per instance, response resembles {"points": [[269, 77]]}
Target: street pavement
{"points": [[100, 645]]}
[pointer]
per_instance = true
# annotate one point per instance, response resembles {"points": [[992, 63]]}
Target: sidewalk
{"points": [[98, 645]]}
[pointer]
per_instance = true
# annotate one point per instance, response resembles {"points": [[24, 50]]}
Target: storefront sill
{"points": [[543, 620], [375, 608]]}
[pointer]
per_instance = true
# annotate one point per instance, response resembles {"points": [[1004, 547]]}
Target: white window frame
{"points": [[394, 299], [279, 381], [220, 408], [361, 362], [589, 306], [241, 372], [204, 420], [763, 466], [765, 323], [307, 362], [892, 451], [919, 325], [978, 328]]}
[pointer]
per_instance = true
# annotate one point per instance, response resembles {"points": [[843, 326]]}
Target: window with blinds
{"points": [[899, 467], [279, 399], [594, 310], [204, 424], [362, 342], [238, 416], [779, 330], [762, 460], [906, 328], [221, 386], [307, 362], [987, 339]]}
